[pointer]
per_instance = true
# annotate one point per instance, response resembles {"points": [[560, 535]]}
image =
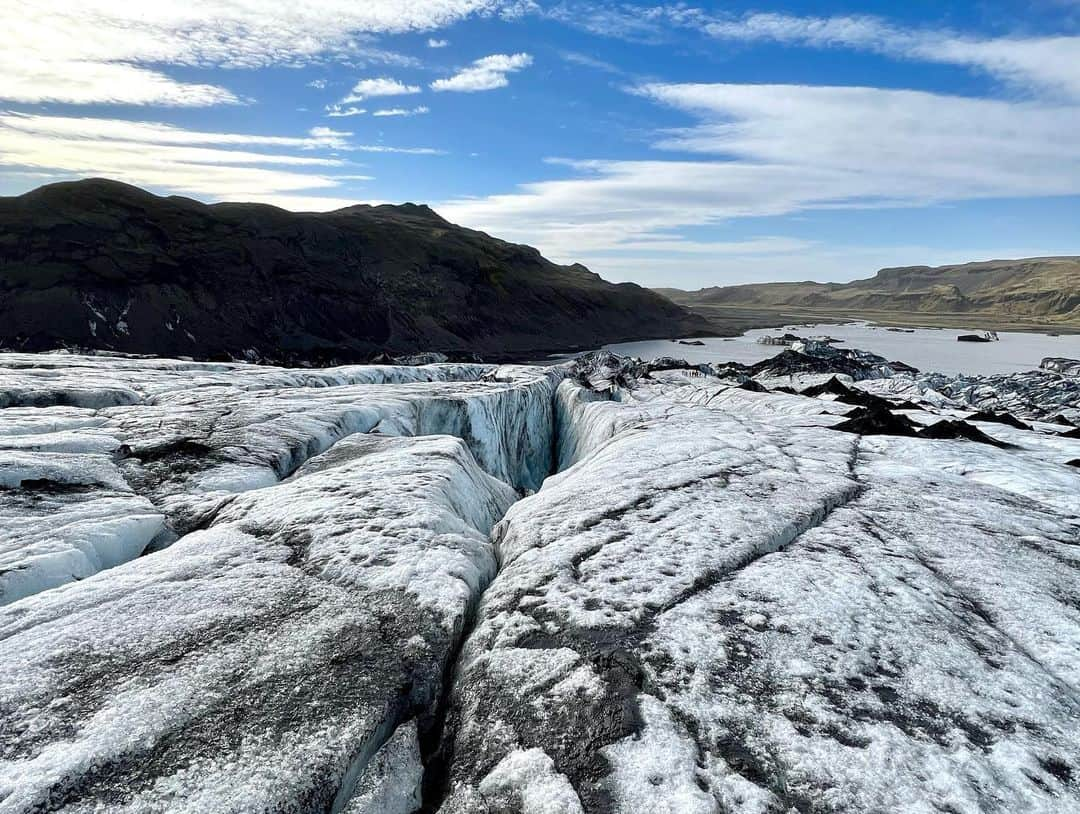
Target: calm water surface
{"points": [[926, 348]]}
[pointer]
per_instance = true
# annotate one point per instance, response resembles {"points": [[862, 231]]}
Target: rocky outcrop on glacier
{"points": [[468, 588], [1032, 395], [1036, 395]]}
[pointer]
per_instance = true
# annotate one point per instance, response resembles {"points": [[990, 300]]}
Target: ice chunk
{"points": [[390, 782]]}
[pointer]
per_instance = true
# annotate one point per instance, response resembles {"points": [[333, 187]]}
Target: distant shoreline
{"points": [[725, 316]]}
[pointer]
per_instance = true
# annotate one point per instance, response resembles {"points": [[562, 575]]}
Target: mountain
{"points": [[104, 265], [1034, 291]]}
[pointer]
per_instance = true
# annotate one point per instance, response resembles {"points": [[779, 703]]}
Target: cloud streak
{"points": [[379, 86], [113, 51], [769, 150], [299, 172], [400, 112], [1042, 64], [488, 73]]}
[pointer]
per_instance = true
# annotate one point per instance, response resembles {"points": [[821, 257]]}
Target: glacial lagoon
{"points": [[929, 349]]}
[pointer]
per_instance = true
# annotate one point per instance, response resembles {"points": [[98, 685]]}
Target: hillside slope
{"points": [[104, 265], [1042, 289]]}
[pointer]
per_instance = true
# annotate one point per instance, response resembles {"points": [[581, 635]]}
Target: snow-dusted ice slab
{"points": [[260, 664], [42, 380], [65, 516], [721, 609], [191, 451], [195, 435]]}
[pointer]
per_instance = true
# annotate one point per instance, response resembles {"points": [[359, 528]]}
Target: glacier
{"points": [[826, 583]]}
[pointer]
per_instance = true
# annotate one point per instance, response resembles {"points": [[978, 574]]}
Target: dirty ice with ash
{"points": [[821, 583]]}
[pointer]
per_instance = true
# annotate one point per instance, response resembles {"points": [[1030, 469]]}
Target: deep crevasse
{"points": [[107, 484], [314, 615]]}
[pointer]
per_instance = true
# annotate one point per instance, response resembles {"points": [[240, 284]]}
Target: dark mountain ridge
{"points": [[100, 264]]}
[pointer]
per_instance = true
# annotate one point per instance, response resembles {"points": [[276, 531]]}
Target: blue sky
{"points": [[684, 145]]}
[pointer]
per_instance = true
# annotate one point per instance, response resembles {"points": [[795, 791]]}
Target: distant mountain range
{"points": [[99, 264], [1040, 291]]}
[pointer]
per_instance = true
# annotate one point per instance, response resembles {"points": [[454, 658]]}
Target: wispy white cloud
{"points": [[318, 84], [216, 166], [382, 148], [114, 51], [1049, 64], [344, 111], [435, 43], [159, 133], [29, 78], [378, 86], [587, 61], [767, 150], [487, 73], [614, 19], [1044, 64], [299, 172], [401, 111]]}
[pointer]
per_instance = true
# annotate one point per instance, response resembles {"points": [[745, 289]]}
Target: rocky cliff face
{"points": [[98, 264]]}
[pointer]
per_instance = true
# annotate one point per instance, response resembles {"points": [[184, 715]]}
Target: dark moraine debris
{"points": [[752, 386], [960, 430], [820, 357], [668, 363], [877, 420], [992, 417], [853, 395]]}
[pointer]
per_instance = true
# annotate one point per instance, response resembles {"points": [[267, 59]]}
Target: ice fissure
{"points": [[347, 527]]}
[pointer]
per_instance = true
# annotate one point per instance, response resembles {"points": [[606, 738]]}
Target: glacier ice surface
{"points": [[233, 588]]}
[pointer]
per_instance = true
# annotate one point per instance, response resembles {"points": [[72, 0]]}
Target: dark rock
{"points": [[960, 430], [820, 357], [999, 418], [602, 370], [876, 420], [853, 395]]}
